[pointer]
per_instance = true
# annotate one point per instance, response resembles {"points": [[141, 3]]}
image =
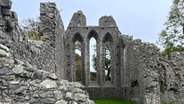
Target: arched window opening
{"points": [[78, 61], [93, 58], [107, 61]]}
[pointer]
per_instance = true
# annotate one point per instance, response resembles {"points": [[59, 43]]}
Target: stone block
{"points": [[61, 102], [5, 11], [79, 97], [3, 53], [69, 95], [6, 3], [48, 101], [5, 71], [58, 94], [47, 84]]}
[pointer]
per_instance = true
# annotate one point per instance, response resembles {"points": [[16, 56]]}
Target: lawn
{"points": [[112, 101]]}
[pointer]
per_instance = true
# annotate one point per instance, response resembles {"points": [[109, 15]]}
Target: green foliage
{"points": [[107, 66], [176, 1], [93, 76], [174, 13], [167, 103], [107, 63], [172, 37], [168, 50], [159, 80], [112, 101], [78, 67]]}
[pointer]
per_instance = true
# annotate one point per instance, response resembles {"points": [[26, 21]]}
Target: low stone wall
{"points": [[21, 83]]}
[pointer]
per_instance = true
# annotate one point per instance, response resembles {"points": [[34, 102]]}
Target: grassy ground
{"points": [[112, 101]]}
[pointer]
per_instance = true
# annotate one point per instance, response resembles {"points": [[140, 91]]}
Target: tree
{"points": [[31, 28], [78, 61], [172, 37], [78, 67], [107, 63]]}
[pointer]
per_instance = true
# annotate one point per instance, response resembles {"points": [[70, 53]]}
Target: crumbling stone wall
{"points": [[172, 75], [22, 83], [78, 31], [139, 64], [134, 68], [138, 73], [45, 54], [52, 28]]}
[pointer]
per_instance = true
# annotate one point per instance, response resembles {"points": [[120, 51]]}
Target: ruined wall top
{"points": [[78, 19], [48, 14], [107, 21], [5, 9], [6, 3], [5, 6]]}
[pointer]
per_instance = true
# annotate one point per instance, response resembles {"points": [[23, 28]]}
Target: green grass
{"points": [[112, 101]]}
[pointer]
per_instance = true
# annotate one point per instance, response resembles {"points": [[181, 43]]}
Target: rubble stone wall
{"points": [[45, 54], [22, 83], [139, 64], [31, 70], [172, 75], [134, 63]]}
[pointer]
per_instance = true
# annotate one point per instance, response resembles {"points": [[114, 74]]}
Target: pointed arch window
{"points": [[93, 64], [78, 57], [107, 61], [93, 59]]}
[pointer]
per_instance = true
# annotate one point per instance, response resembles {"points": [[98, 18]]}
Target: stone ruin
{"points": [[36, 71]]}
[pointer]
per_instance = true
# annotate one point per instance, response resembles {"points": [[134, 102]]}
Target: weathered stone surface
{"points": [[3, 53], [69, 95], [53, 76], [171, 76], [47, 84], [48, 101], [24, 84], [6, 11], [18, 69], [5, 71], [58, 94], [61, 102], [6, 3], [30, 70], [79, 97], [107, 21], [3, 47], [78, 19]]}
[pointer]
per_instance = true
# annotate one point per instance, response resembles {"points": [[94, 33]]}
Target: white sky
{"points": [[143, 19]]}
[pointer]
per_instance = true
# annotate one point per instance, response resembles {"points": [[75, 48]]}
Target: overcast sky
{"points": [[143, 19]]}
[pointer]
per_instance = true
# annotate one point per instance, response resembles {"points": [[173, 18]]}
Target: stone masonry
{"points": [[134, 63], [172, 78], [21, 83], [36, 71], [27, 68]]}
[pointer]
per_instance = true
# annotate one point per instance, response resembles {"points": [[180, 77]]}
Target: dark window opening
{"points": [[107, 61], [134, 83]]}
